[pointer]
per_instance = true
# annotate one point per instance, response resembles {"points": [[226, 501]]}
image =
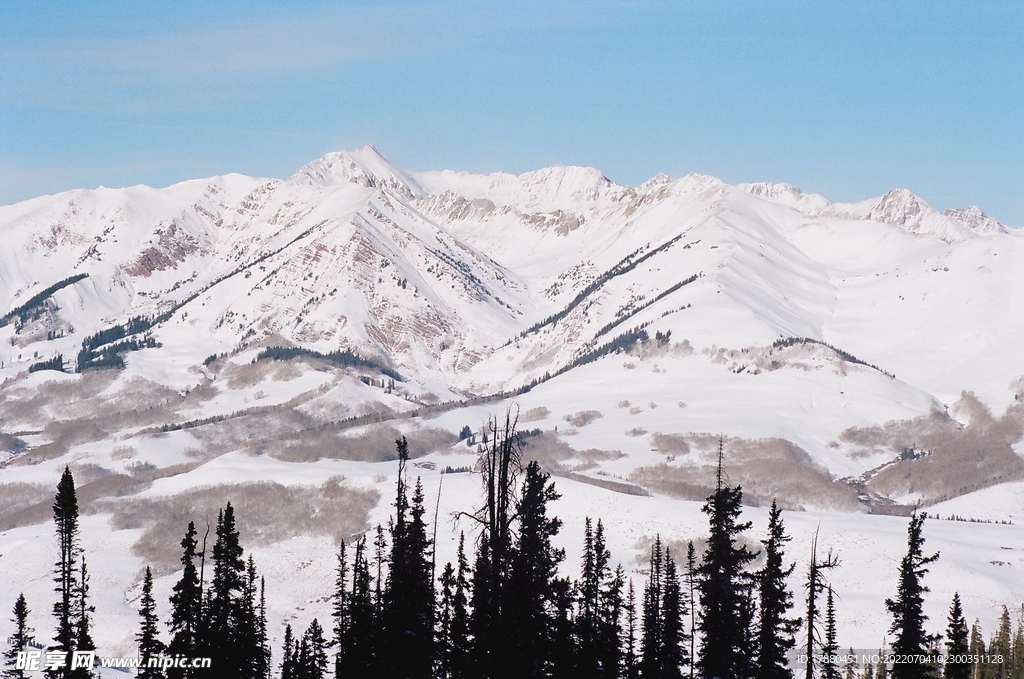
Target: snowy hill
{"points": [[857, 359]]}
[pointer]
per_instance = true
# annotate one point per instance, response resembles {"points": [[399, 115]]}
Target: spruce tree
{"points": [[65, 572], [722, 584], [957, 642], [408, 599], [651, 641], [830, 649], [19, 641], [443, 633], [776, 631], [674, 654], [1001, 646], [186, 608], [531, 576], [225, 607], [287, 653], [313, 662], [691, 586], [340, 612], [459, 655], [360, 649], [148, 639], [907, 608], [630, 666], [83, 620]]}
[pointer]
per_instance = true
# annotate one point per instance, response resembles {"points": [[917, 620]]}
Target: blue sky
{"points": [[846, 99]]}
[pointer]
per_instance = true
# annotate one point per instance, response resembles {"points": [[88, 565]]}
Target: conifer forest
{"points": [[510, 605]]}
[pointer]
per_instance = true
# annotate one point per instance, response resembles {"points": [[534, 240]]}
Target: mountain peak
{"points": [[976, 220], [365, 166], [901, 207]]}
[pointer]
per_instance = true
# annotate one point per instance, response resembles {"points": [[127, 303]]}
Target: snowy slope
{"points": [[822, 341]]}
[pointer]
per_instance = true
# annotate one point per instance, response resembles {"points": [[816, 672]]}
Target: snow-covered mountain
{"points": [[856, 358]]}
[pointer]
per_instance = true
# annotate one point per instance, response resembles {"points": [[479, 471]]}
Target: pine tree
{"points": [[907, 608], [340, 612], [265, 660], [674, 655], [459, 656], [691, 586], [19, 641], [225, 607], [65, 574], [977, 647], [186, 607], [83, 620], [1017, 648], [534, 565], [630, 666], [1000, 646], [776, 631], [408, 599], [443, 633], [651, 641], [150, 645], [313, 663], [287, 653], [360, 659], [722, 584], [957, 642], [830, 649], [610, 640], [587, 607]]}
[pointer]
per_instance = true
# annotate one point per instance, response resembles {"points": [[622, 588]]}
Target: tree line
{"points": [[507, 608]]}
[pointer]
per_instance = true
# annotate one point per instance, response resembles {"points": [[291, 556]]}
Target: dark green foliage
{"points": [[288, 661], [186, 607], [630, 664], [344, 358], [622, 342], [453, 643], [957, 642], [722, 584], [907, 609], [65, 575], [19, 641], [359, 659], [664, 646], [465, 433], [30, 309], [148, 637], [311, 662], [109, 356], [83, 625], [55, 363], [776, 631], [340, 612]]}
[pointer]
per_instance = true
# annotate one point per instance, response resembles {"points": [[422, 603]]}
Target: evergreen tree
{"points": [[313, 656], [83, 621], [287, 653], [610, 644], [340, 613], [957, 642], [691, 586], [19, 641], [1017, 648], [651, 641], [265, 659], [776, 631], [150, 645], [459, 653], [359, 660], [830, 649], [674, 655], [186, 607], [65, 573], [907, 608], [722, 584], [443, 638], [531, 575], [1000, 646], [977, 647], [630, 667], [225, 609], [408, 600]]}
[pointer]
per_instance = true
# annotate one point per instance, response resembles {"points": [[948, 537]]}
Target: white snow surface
{"points": [[470, 286]]}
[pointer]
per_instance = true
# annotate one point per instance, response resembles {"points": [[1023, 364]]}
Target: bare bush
{"points": [[670, 444], [374, 444], [534, 415], [17, 497], [583, 418], [554, 454], [766, 469], [266, 512]]}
